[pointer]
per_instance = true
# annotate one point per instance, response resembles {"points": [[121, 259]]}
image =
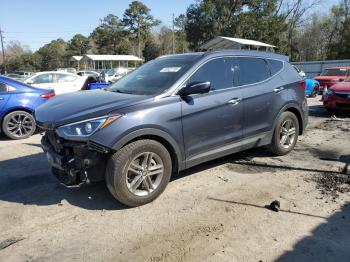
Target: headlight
{"points": [[83, 129]]}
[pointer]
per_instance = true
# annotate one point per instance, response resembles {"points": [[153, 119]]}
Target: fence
{"points": [[313, 68]]}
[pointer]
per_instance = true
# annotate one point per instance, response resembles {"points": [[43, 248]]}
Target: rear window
{"points": [[335, 72], [276, 66], [252, 70], [3, 88]]}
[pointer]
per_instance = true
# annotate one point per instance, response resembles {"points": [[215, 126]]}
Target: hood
{"points": [[77, 106], [328, 78], [342, 87]]}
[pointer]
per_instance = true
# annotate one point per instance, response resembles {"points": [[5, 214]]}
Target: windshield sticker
{"points": [[170, 69]]}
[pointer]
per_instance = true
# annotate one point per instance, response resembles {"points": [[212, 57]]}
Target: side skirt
{"points": [[228, 149]]}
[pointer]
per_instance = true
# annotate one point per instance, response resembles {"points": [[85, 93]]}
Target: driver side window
{"points": [[218, 72]]}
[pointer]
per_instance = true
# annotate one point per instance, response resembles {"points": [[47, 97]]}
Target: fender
{"points": [[293, 106], [179, 153]]}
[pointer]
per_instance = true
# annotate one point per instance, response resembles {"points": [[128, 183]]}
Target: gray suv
{"points": [[171, 114]]}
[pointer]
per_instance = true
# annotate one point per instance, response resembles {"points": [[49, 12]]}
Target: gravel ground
{"points": [[213, 212]]}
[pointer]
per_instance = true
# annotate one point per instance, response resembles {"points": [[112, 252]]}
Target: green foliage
{"points": [[109, 36], [78, 45], [53, 55], [138, 22], [151, 50]]}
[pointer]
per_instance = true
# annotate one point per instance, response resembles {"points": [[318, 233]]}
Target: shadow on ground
{"points": [[329, 241], [28, 180]]}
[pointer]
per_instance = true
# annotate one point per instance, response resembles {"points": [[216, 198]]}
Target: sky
{"points": [[37, 22]]}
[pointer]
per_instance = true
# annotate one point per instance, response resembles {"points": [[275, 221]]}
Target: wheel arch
{"points": [[293, 108], [160, 136]]}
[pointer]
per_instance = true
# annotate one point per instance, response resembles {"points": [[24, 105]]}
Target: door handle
{"points": [[234, 101], [278, 89], [1, 98]]}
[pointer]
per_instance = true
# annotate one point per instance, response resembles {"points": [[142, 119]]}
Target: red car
{"points": [[332, 76], [338, 97]]}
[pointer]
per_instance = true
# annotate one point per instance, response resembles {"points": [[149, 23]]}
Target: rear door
{"points": [[214, 120], [66, 83], [263, 93], [44, 81]]}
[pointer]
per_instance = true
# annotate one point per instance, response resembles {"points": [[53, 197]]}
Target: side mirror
{"points": [[30, 82], [195, 88]]}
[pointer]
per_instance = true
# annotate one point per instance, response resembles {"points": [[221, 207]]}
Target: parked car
{"points": [[60, 82], [312, 85], [89, 73], [114, 74], [171, 114], [17, 104], [67, 70], [15, 76], [24, 74], [338, 97], [331, 76]]}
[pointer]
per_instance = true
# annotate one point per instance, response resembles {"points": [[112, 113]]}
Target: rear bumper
{"points": [[73, 163]]}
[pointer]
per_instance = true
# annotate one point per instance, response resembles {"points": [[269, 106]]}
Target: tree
{"points": [[151, 50], [53, 55], [108, 37], [254, 19], [181, 45], [138, 21], [78, 45], [26, 62]]}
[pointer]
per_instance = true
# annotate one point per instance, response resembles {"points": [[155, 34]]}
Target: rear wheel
{"points": [[285, 134], [315, 91], [18, 125], [139, 172]]}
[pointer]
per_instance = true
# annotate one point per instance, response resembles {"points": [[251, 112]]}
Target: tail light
{"points": [[48, 95], [302, 85]]}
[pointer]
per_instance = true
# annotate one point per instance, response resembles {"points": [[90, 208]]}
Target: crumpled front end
{"points": [[74, 163]]}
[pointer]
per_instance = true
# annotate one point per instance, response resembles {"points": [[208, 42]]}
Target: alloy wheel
{"points": [[287, 133], [20, 125], [144, 173]]}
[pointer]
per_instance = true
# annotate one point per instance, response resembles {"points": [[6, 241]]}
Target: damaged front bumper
{"points": [[74, 163]]}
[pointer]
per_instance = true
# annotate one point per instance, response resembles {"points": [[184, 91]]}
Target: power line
{"points": [[47, 32], [3, 50]]}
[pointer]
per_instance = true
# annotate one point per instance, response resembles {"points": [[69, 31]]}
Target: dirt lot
{"points": [[213, 212]]}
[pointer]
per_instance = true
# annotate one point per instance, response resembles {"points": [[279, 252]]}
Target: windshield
{"points": [[334, 72], [154, 77]]}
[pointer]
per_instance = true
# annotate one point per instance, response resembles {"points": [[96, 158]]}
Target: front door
{"points": [[212, 122]]}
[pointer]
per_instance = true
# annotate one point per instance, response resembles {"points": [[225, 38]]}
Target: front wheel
{"points": [[18, 125], [139, 172], [285, 134]]}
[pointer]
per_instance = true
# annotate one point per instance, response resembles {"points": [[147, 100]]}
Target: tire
{"points": [[18, 125], [277, 146], [332, 111], [315, 91], [122, 183]]}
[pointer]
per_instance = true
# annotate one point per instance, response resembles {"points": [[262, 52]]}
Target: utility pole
{"points": [[3, 51], [173, 34]]}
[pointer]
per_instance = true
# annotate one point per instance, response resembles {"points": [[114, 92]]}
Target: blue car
{"points": [[312, 85], [17, 104]]}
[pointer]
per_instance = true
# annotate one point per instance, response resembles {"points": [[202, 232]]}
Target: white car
{"points": [[59, 81]]}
